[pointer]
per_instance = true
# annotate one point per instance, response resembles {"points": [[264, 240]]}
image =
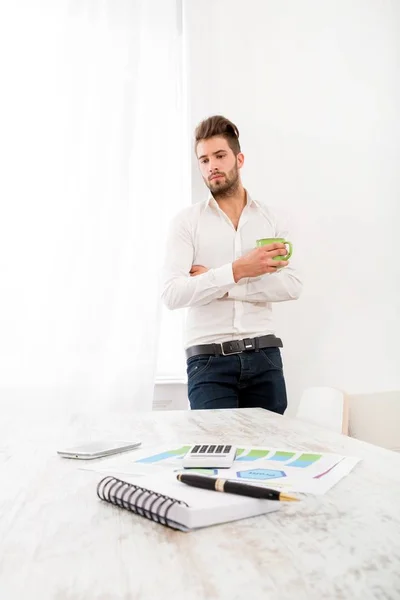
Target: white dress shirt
{"points": [[218, 308]]}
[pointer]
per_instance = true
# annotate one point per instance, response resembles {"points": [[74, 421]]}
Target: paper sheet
{"points": [[283, 469]]}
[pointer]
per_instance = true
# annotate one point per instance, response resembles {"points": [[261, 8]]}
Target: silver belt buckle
{"points": [[233, 351]]}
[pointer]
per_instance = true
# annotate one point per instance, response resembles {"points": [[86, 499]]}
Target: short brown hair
{"points": [[218, 126]]}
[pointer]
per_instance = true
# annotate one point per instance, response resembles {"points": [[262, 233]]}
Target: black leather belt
{"points": [[235, 346]]}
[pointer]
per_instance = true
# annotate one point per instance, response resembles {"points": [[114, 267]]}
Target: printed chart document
{"points": [[282, 469]]}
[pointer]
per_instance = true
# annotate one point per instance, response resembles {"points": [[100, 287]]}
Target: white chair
{"points": [[326, 407], [375, 418]]}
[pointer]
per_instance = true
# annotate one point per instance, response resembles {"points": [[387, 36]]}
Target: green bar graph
{"points": [[282, 456], [254, 454], [304, 460]]}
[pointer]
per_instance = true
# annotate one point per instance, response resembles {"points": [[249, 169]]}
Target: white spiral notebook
{"points": [[167, 501]]}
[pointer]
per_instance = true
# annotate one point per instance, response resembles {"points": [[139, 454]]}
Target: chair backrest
{"points": [[324, 406], [375, 418]]}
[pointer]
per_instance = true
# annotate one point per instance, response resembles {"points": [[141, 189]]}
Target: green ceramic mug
{"points": [[266, 241]]}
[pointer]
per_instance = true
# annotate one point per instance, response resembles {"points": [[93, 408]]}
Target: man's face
{"points": [[219, 166]]}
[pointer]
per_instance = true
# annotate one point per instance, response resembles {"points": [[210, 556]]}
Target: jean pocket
{"points": [[196, 365], [273, 357]]}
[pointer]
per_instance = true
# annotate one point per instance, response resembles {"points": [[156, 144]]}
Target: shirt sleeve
{"points": [[179, 289], [283, 285]]}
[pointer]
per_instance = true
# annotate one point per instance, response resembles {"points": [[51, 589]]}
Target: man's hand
{"points": [[259, 261], [197, 270]]}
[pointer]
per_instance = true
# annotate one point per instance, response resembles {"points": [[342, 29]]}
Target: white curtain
{"points": [[92, 166]]}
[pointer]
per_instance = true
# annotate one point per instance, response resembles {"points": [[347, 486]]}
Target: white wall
{"points": [[170, 394], [314, 89]]}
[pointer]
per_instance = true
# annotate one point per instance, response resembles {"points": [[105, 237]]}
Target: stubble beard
{"points": [[226, 188]]}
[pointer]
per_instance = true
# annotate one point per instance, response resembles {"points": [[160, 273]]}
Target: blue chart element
{"points": [[305, 460], [261, 474], [202, 471], [177, 453]]}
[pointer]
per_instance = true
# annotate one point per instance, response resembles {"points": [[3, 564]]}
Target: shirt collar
{"points": [[249, 200]]}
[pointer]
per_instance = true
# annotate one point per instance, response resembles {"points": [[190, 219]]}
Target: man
{"points": [[213, 268]]}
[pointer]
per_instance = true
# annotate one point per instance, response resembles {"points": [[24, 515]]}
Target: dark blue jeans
{"points": [[249, 379]]}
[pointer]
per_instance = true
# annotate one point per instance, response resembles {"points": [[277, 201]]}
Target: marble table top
{"points": [[59, 542]]}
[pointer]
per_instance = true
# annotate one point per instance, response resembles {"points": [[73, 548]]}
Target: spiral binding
{"points": [[139, 500]]}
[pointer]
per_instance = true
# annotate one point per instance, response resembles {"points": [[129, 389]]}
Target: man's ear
{"points": [[240, 160]]}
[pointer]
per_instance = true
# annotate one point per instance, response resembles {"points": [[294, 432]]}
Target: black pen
{"points": [[233, 487]]}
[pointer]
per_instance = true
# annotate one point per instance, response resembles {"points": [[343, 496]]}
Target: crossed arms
{"points": [[254, 277]]}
